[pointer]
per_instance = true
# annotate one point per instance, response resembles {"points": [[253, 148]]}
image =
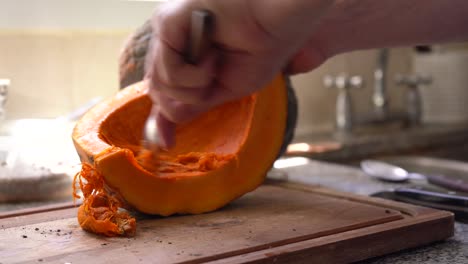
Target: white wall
{"points": [[74, 14], [61, 53]]}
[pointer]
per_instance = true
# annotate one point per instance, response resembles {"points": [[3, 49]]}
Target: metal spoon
{"points": [[200, 29], [388, 172]]}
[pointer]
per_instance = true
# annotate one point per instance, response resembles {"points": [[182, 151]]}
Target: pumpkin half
{"points": [[217, 158]]}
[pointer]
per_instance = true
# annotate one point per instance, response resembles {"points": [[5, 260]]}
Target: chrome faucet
{"points": [[4, 84], [379, 97], [412, 83], [380, 113], [344, 110]]}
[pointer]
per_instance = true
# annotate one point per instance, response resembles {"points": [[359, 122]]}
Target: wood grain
{"points": [[285, 223]]}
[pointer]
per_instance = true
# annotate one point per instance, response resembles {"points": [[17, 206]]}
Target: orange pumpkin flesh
{"points": [[218, 157]]}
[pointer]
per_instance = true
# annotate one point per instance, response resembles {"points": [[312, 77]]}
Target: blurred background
{"points": [[58, 55], [57, 59]]}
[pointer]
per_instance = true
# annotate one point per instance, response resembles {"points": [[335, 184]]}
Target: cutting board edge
{"points": [[347, 243], [406, 209]]}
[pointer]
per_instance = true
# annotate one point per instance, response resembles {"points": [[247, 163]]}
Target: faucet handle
{"points": [[342, 81], [413, 97], [4, 83], [412, 80], [343, 108]]}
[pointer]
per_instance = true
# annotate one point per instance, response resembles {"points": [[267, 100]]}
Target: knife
{"points": [[448, 201]]}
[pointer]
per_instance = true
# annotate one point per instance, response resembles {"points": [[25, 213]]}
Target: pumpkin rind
{"points": [[193, 193]]}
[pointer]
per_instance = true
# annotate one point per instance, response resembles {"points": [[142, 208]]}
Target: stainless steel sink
{"points": [[3, 157], [5, 147], [37, 160]]}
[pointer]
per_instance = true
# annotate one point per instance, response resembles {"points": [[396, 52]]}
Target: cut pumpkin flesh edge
{"points": [[217, 158]]}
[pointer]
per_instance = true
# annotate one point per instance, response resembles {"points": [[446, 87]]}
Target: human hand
{"points": [[249, 47]]}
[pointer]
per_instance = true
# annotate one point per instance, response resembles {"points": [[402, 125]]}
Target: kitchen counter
{"points": [[449, 141], [349, 179]]}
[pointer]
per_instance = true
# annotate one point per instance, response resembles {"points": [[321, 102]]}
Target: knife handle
{"points": [[434, 197], [456, 204], [201, 27], [448, 182]]}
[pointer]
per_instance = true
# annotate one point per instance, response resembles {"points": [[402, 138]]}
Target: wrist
{"points": [[290, 20], [365, 24], [337, 32]]}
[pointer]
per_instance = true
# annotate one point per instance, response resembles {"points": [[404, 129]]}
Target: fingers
{"points": [[182, 90], [234, 80], [168, 69], [171, 74], [176, 111]]}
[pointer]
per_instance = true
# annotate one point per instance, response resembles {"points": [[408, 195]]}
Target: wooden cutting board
{"points": [[277, 222]]}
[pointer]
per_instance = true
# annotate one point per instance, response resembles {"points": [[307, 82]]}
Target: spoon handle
{"points": [[200, 34], [448, 182]]}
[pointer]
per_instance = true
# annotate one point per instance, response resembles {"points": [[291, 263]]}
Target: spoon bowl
{"points": [[384, 171], [387, 172]]}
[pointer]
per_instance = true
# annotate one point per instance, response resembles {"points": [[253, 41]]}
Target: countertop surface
{"points": [[447, 141], [350, 179]]}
